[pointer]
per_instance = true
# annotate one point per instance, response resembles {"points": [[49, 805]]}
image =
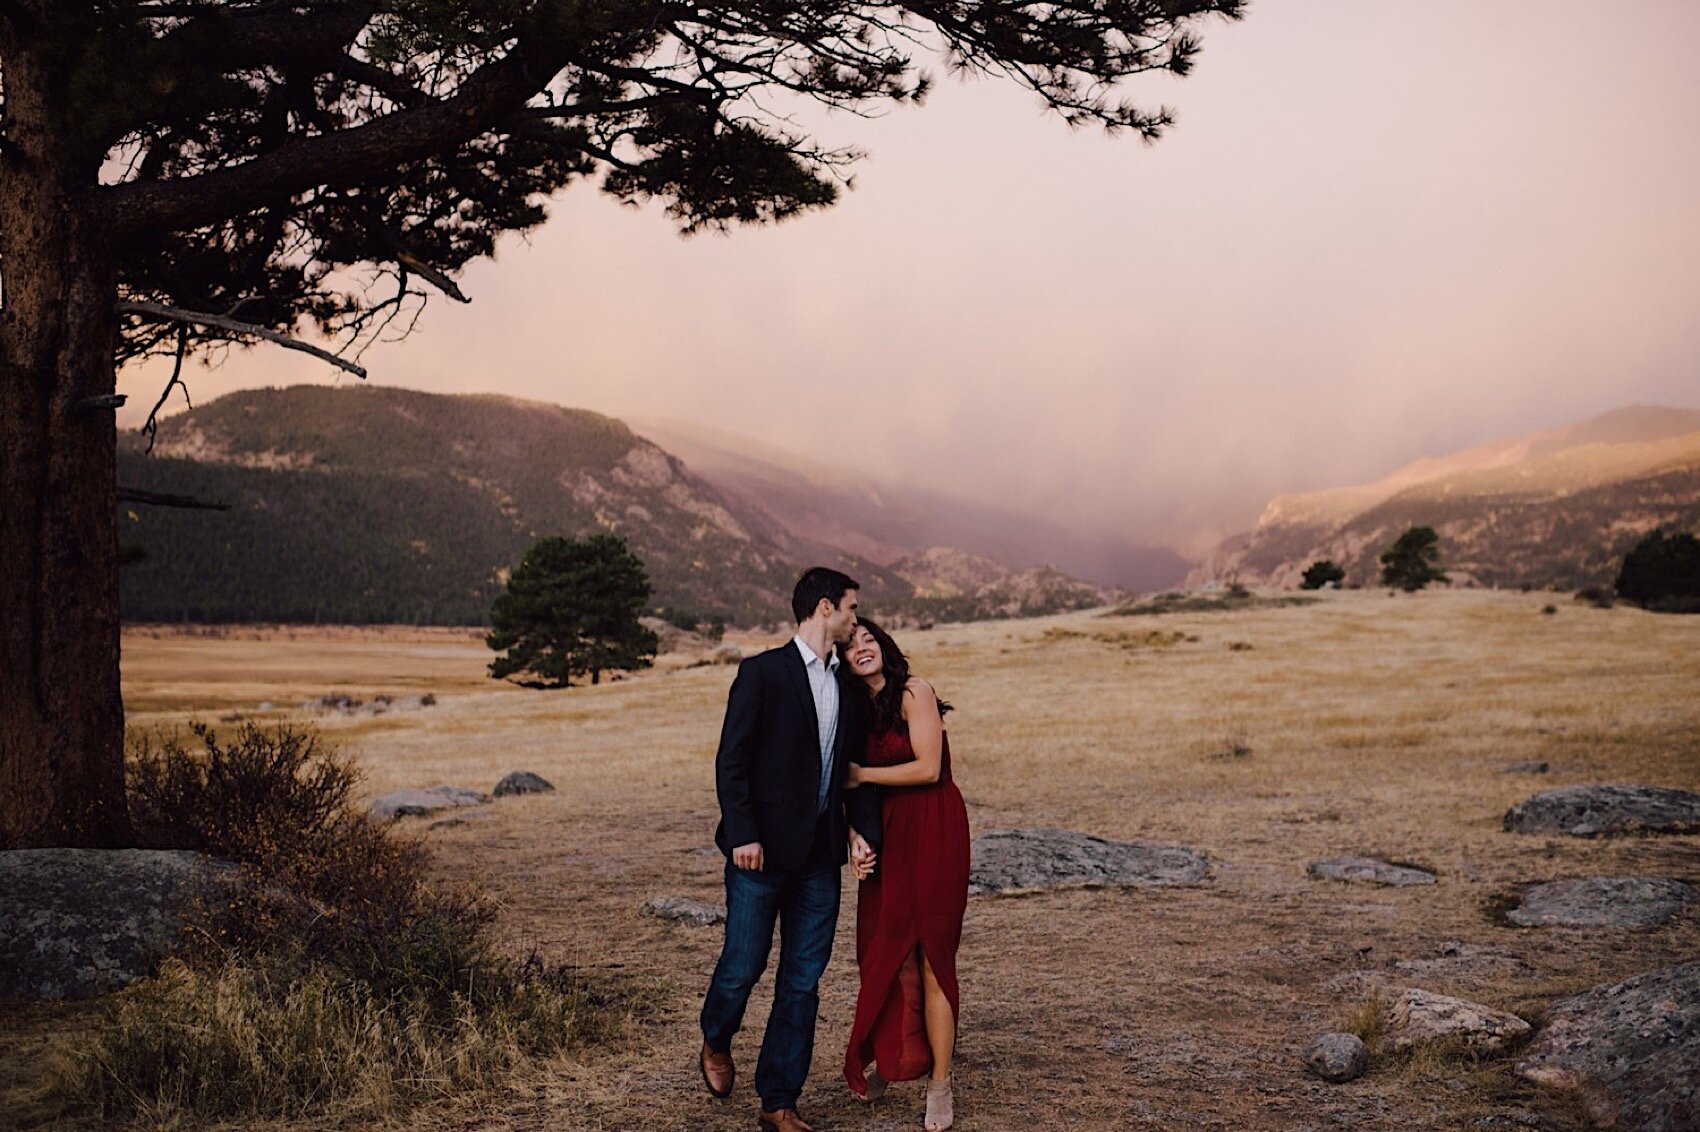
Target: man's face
{"points": [[841, 621]]}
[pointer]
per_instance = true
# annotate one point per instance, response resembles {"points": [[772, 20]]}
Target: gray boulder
{"points": [[1631, 1050], [420, 803], [1418, 1016], [1368, 870], [1640, 903], [682, 911], [1602, 811], [75, 923], [1455, 957], [1011, 861], [523, 782], [1337, 1057]]}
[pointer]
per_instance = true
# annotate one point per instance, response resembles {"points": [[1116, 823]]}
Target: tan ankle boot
{"points": [[941, 1105]]}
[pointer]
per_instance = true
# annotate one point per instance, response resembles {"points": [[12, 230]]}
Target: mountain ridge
{"points": [[1558, 507], [372, 503]]}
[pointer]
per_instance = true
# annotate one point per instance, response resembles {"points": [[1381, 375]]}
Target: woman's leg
{"points": [[940, 1019]]}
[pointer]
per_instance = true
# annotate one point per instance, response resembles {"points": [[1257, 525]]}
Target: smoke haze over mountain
{"points": [[1378, 232]]}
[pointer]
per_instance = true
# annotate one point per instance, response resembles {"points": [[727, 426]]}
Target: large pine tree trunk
{"points": [[61, 715]]}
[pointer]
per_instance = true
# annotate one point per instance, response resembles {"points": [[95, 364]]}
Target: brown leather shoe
{"points": [[717, 1071], [784, 1120]]}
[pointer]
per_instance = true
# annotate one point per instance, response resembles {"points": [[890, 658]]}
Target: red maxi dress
{"points": [[913, 902]]}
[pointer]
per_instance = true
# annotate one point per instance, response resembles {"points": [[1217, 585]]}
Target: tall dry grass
{"points": [[337, 981], [252, 1037]]}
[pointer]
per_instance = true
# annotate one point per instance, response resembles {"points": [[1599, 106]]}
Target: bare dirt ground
{"points": [[1362, 724]]}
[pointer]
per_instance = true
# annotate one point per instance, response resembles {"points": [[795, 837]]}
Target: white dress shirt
{"points": [[823, 685]]}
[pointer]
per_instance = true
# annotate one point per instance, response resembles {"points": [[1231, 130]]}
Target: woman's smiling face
{"points": [[864, 654]]}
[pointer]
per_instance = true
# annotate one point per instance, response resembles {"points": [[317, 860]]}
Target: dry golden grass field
{"points": [[1268, 738]]}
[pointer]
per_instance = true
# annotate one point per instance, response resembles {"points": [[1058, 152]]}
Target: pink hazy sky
{"points": [[1378, 231]]}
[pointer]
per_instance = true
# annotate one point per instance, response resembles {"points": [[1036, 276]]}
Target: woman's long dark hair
{"points": [[888, 701]]}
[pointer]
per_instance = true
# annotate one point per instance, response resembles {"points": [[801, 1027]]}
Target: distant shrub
{"points": [[1322, 572], [1412, 562], [339, 981], [1596, 596], [1234, 748], [679, 618], [1662, 573]]}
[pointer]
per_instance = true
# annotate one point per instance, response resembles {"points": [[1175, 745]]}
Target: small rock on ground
{"points": [[1336, 1057], [1640, 903], [1529, 766], [1010, 861], [1419, 1016], [1631, 1050], [522, 782], [75, 923], [682, 911], [419, 803], [1602, 811], [1370, 871]]}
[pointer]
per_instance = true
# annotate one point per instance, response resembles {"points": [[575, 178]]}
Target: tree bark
{"points": [[61, 710]]}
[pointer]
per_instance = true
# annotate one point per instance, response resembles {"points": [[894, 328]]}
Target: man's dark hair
{"points": [[818, 582]]}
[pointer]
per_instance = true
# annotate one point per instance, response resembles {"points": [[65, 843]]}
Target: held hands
{"points": [[748, 856], [862, 856]]}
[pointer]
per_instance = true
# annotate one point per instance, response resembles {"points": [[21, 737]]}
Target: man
{"points": [[794, 719]]}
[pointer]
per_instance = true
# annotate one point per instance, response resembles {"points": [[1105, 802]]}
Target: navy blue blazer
{"points": [[767, 770]]}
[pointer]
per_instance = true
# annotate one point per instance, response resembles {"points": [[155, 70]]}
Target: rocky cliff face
{"points": [[956, 585]]}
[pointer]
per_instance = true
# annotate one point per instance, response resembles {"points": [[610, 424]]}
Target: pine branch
{"points": [[350, 156]]}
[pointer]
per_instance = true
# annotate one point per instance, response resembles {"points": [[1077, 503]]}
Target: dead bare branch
{"points": [[246, 329]]}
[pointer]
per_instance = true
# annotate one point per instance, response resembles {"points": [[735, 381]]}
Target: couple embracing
{"points": [[832, 752]]}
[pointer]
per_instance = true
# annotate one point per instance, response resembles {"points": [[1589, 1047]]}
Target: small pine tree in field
{"points": [[1662, 572], [571, 609], [1321, 572], [1413, 561]]}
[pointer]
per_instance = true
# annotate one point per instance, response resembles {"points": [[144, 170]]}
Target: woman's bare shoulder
{"points": [[920, 690]]}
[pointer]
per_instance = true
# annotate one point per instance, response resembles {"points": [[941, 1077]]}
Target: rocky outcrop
{"points": [[1631, 1050], [1418, 1016], [75, 923], [522, 782], [1368, 870], [1014, 861], [1639, 903], [421, 803], [1604, 811], [682, 911]]}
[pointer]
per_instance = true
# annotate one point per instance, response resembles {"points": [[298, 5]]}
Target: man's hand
{"points": [[862, 856], [748, 856]]}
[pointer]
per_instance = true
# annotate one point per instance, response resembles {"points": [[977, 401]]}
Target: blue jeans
{"points": [[805, 903]]}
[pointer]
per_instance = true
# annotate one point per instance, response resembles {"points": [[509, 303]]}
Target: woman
{"points": [[909, 913]]}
